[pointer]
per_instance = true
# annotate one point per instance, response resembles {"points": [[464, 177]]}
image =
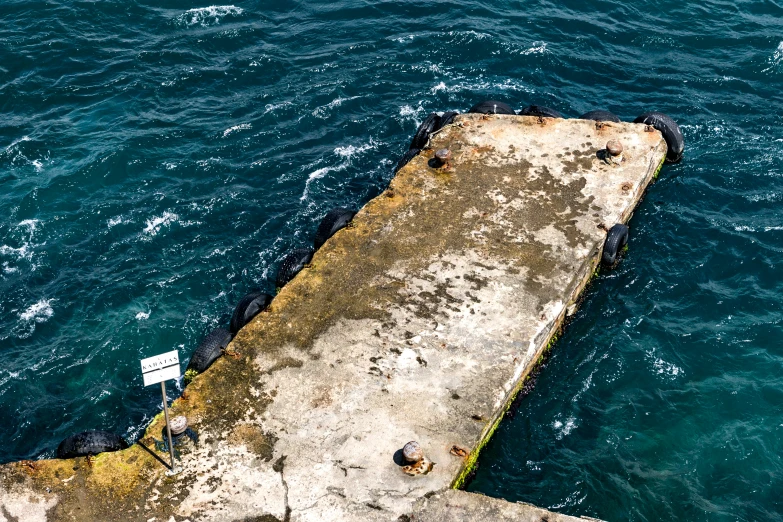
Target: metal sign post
{"points": [[159, 369]]}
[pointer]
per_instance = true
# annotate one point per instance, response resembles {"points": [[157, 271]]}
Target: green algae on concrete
{"points": [[419, 322]]}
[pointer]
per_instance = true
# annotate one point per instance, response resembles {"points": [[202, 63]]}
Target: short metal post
{"points": [[168, 428]]}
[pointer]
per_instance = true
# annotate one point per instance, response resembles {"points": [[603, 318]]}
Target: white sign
{"points": [[160, 368]]}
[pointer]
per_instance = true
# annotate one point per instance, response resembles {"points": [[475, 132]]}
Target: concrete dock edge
{"points": [[419, 322]]}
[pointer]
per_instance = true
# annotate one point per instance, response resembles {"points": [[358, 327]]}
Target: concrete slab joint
{"points": [[418, 323]]}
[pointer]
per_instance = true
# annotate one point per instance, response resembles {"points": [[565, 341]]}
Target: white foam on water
{"points": [[30, 224], [155, 224], [477, 84], [206, 16], [235, 128], [271, 107], [17, 157], [563, 429], [207, 207], [323, 111], [113, 222], [776, 58], [346, 153], [25, 251], [320, 173], [738, 228], [217, 252], [8, 376], [142, 316], [207, 162], [408, 112], [167, 282], [664, 369], [17, 142], [352, 150], [39, 312], [435, 68], [771, 196], [317, 174], [471, 35], [403, 39], [573, 499], [538, 48]]}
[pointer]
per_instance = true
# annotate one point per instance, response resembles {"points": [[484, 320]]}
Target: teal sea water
{"points": [[157, 159]]}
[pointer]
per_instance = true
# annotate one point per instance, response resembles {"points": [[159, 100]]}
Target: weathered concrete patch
{"points": [[419, 322], [236, 482], [21, 504]]}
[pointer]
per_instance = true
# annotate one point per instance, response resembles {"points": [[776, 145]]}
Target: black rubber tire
{"points": [[209, 350], [671, 133], [336, 219], [430, 124], [616, 239], [600, 115], [292, 264], [538, 110], [409, 155], [491, 107], [446, 118], [247, 308], [90, 443]]}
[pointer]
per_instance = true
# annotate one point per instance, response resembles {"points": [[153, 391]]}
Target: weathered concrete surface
{"points": [[418, 323], [460, 506]]}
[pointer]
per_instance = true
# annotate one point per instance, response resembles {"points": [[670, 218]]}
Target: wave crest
{"points": [[39, 312], [206, 16]]}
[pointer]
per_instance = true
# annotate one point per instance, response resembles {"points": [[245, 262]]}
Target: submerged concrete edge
{"points": [[461, 506]]}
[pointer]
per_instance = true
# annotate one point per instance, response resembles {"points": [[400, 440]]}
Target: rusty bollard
{"points": [[614, 152], [418, 463], [443, 156]]}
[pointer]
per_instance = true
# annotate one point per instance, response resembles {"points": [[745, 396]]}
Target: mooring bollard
{"points": [[614, 151], [443, 156], [412, 452], [418, 463], [178, 425]]}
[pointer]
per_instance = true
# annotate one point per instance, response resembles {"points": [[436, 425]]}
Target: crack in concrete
{"points": [[317, 500], [285, 498], [279, 467]]}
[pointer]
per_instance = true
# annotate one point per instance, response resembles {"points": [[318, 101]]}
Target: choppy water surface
{"points": [[158, 158]]}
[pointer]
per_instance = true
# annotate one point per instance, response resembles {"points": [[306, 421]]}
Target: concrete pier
{"points": [[420, 322]]}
